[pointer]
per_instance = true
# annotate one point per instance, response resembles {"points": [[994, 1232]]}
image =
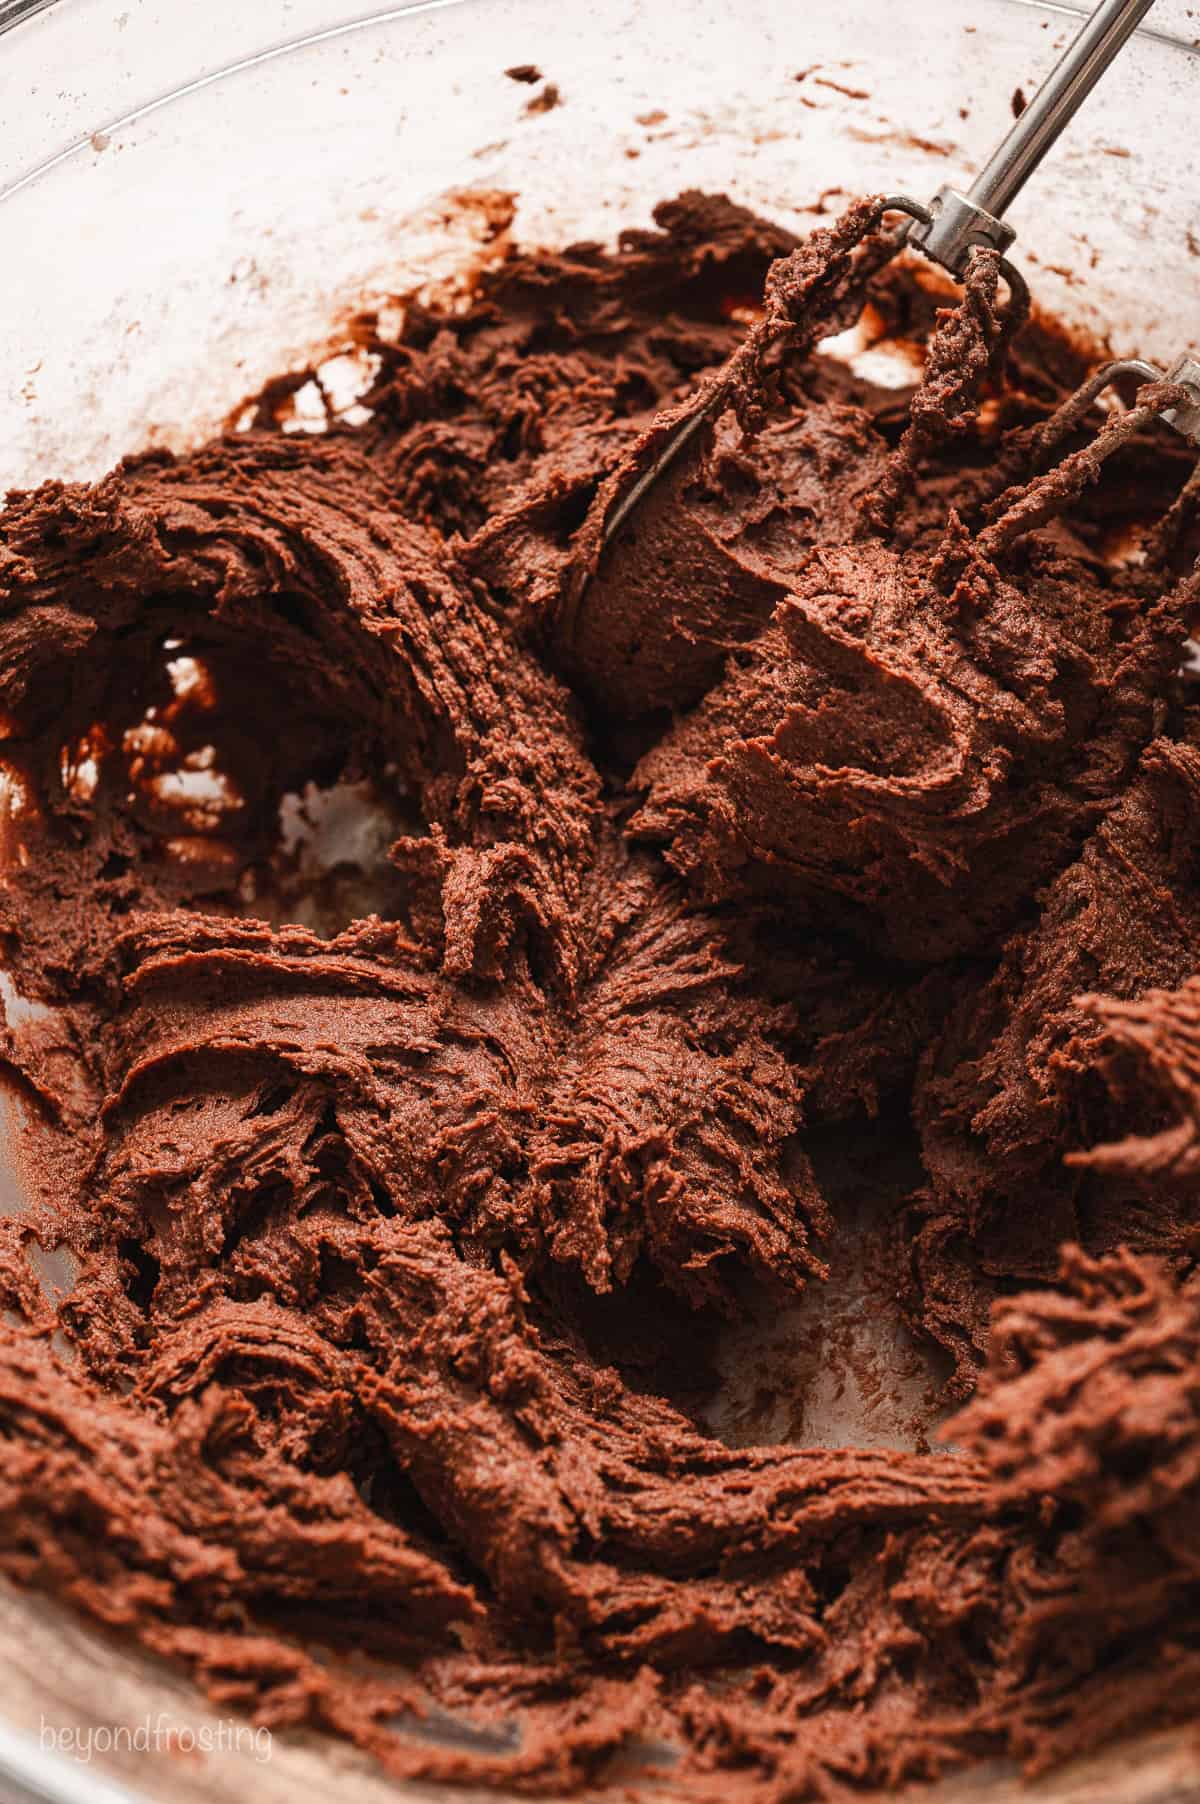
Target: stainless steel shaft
{"points": [[1056, 102], [954, 224]]}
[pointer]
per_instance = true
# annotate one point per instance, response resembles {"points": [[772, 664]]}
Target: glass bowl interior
{"points": [[241, 207], [194, 199]]}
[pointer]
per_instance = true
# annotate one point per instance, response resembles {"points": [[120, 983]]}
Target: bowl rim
{"points": [[14, 13]]}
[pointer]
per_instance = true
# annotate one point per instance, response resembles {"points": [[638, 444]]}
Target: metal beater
{"points": [[954, 224]]}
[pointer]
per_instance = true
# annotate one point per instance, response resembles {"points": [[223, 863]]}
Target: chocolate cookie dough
{"points": [[454, 949]]}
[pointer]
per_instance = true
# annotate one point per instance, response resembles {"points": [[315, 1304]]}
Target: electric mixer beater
{"points": [[950, 229]]}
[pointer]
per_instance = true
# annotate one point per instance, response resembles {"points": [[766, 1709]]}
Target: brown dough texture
{"points": [[848, 789]]}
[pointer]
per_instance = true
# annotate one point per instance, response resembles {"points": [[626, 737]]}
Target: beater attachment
{"points": [[1173, 397]]}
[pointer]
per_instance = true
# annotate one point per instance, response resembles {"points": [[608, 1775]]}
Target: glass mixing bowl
{"points": [[194, 198]]}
